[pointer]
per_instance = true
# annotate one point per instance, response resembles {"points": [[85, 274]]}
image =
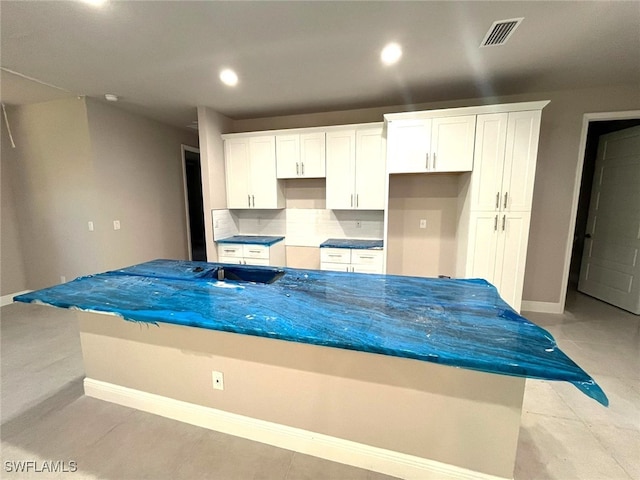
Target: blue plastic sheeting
{"points": [[459, 323], [252, 240], [351, 243]]}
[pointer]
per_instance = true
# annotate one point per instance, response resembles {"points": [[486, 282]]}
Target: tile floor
{"points": [[564, 435]]}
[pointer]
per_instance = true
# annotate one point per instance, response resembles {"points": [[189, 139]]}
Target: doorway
{"points": [[596, 129], [193, 203]]}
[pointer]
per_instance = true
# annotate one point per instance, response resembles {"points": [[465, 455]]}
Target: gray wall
{"points": [[78, 161]]}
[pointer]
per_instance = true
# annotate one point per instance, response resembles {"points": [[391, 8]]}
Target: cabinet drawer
{"points": [[232, 260], [366, 257], [335, 267], [256, 261], [255, 251], [335, 255], [367, 268], [230, 250]]}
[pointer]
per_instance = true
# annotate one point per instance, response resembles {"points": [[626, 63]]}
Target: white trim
{"points": [[282, 436], [588, 117], [477, 110], [8, 299], [183, 149], [542, 307]]}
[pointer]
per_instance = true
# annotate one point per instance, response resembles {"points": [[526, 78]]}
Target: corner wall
{"points": [[77, 160]]}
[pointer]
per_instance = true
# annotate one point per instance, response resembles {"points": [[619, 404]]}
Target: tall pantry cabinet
{"points": [[500, 198]]}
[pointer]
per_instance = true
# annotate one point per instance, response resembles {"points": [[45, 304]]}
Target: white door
{"points": [[263, 186], [520, 161], [452, 142], [341, 157], [237, 172], [513, 238], [312, 155], [486, 181], [288, 156], [370, 170], [610, 268], [409, 145], [483, 241]]}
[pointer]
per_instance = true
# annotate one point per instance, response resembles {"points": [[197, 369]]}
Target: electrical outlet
{"points": [[218, 380], [63, 279], [358, 224], [423, 223], [91, 226], [116, 224]]}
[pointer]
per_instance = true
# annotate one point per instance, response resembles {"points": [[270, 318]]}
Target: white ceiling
{"points": [[162, 58]]}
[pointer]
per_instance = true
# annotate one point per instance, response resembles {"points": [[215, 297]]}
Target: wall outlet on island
{"points": [[423, 223], [218, 380]]}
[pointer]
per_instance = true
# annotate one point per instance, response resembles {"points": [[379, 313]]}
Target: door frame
{"points": [[586, 119], [183, 150]]}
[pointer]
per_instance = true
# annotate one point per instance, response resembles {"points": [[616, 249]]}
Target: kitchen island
{"points": [[410, 376]]}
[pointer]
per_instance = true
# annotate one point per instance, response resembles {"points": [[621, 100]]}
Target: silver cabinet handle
{"points": [[297, 169], [254, 200], [497, 200], [434, 160], [495, 224], [506, 194], [302, 168], [352, 199], [254, 251], [249, 200], [357, 199], [366, 256], [335, 255], [229, 250], [427, 163], [347, 269], [504, 219]]}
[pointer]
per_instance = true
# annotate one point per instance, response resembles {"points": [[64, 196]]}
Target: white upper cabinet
{"points": [[431, 145], [300, 155], [355, 169], [505, 161], [251, 182]]}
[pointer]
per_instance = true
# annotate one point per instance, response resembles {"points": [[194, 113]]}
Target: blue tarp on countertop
{"points": [[454, 322], [252, 239], [351, 243]]}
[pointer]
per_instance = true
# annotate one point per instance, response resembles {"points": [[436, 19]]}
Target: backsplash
{"points": [[303, 227]]}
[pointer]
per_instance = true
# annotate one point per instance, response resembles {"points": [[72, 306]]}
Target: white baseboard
{"points": [[542, 307], [282, 436], [8, 299]]}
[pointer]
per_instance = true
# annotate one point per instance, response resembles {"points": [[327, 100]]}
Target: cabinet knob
{"points": [[506, 194], [302, 168], [297, 169]]}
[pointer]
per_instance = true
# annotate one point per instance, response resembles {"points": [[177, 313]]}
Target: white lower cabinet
{"points": [[252, 254], [497, 252], [351, 260]]}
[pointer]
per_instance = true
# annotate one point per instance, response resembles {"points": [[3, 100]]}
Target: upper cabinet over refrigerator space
{"points": [[431, 145]]}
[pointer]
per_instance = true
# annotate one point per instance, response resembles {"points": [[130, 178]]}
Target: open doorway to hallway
{"points": [[194, 205], [604, 253]]}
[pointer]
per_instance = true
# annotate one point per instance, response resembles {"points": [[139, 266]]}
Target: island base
{"points": [[393, 415]]}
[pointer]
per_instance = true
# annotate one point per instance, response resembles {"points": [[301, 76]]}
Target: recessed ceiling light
{"points": [[391, 53], [110, 97], [229, 77]]}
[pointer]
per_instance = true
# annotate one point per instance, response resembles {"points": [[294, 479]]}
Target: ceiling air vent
{"points": [[500, 32]]}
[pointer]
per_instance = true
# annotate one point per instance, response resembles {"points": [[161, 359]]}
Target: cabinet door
{"points": [[483, 242], [520, 160], [409, 144], [288, 156], [370, 170], [236, 156], [312, 155], [486, 181], [341, 157], [264, 188], [511, 256], [452, 141]]}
